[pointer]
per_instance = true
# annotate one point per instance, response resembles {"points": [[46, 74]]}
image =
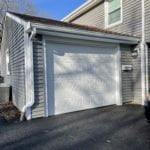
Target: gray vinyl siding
{"points": [[38, 109], [13, 40], [131, 18], [127, 76], [94, 17], [147, 20], [131, 80]]}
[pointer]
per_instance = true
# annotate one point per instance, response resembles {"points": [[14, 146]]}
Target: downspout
{"points": [[29, 101], [33, 34], [144, 72], [146, 50], [147, 76]]}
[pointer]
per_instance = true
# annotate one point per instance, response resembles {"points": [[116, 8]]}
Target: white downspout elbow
{"points": [[29, 75]]}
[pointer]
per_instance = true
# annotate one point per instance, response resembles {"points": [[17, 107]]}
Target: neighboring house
{"points": [[56, 67]]}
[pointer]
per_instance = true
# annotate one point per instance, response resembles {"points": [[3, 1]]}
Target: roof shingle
{"points": [[46, 21]]}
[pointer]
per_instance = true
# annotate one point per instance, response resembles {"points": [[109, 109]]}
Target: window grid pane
{"points": [[113, 5], [114, 16]]}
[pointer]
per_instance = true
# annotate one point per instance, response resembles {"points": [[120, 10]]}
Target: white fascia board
{"points": [[80, 10], [83, 34], [17, 19]]}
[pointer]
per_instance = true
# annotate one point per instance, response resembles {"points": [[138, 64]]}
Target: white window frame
{"points": [[7, 62], [107, 25]]}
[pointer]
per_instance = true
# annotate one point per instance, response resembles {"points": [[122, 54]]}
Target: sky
{"points": [[57, 9]]}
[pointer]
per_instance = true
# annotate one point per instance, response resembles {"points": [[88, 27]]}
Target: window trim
{"points": [[107, 25]]}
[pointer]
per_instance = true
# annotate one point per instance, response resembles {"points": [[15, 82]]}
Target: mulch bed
{"points": [[9, 113]]}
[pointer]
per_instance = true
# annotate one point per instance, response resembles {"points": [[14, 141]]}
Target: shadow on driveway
{"points": [[109, 128]]}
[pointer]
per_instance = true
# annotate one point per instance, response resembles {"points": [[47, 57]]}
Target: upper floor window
{"points": [[113, 12]]}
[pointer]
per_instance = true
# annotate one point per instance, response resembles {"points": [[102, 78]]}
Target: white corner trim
{"points": [[106, 15], [143, 51], [45, 78], [146, 66], [17, 19], [29, 76], [143, 77], [118, 77]]}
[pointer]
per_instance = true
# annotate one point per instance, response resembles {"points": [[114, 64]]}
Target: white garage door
{"points": [[80, 77]]}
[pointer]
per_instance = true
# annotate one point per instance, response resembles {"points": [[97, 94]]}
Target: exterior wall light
{"points": [[135, 53]]}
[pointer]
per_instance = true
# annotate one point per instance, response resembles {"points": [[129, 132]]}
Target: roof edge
{"points": [[81, 9], [63, 30], [16, 18]]}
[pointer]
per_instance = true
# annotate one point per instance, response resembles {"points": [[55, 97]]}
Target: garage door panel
{"points": [[83, 77]]}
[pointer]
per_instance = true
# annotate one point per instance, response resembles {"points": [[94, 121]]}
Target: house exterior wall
{"points": [[127, 76], [132, 24], [38, 109], [13, 40], [132, 18], [131, 80], [94, 17]]}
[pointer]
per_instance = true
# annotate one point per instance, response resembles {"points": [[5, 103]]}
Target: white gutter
{"points": [[84, 34], [80, 10], [143, 54]]}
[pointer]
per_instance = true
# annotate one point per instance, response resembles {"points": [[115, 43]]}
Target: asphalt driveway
{"points": [[109, 128]]}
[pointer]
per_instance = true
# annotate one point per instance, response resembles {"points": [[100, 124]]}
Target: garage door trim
{"points": [[100, 45]]}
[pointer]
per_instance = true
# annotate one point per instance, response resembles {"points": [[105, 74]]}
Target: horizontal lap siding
{"points": [[38, 109], [94, 17], [13, 40], [147, 20], [131, 18], [127, 76], [131, 80]]}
